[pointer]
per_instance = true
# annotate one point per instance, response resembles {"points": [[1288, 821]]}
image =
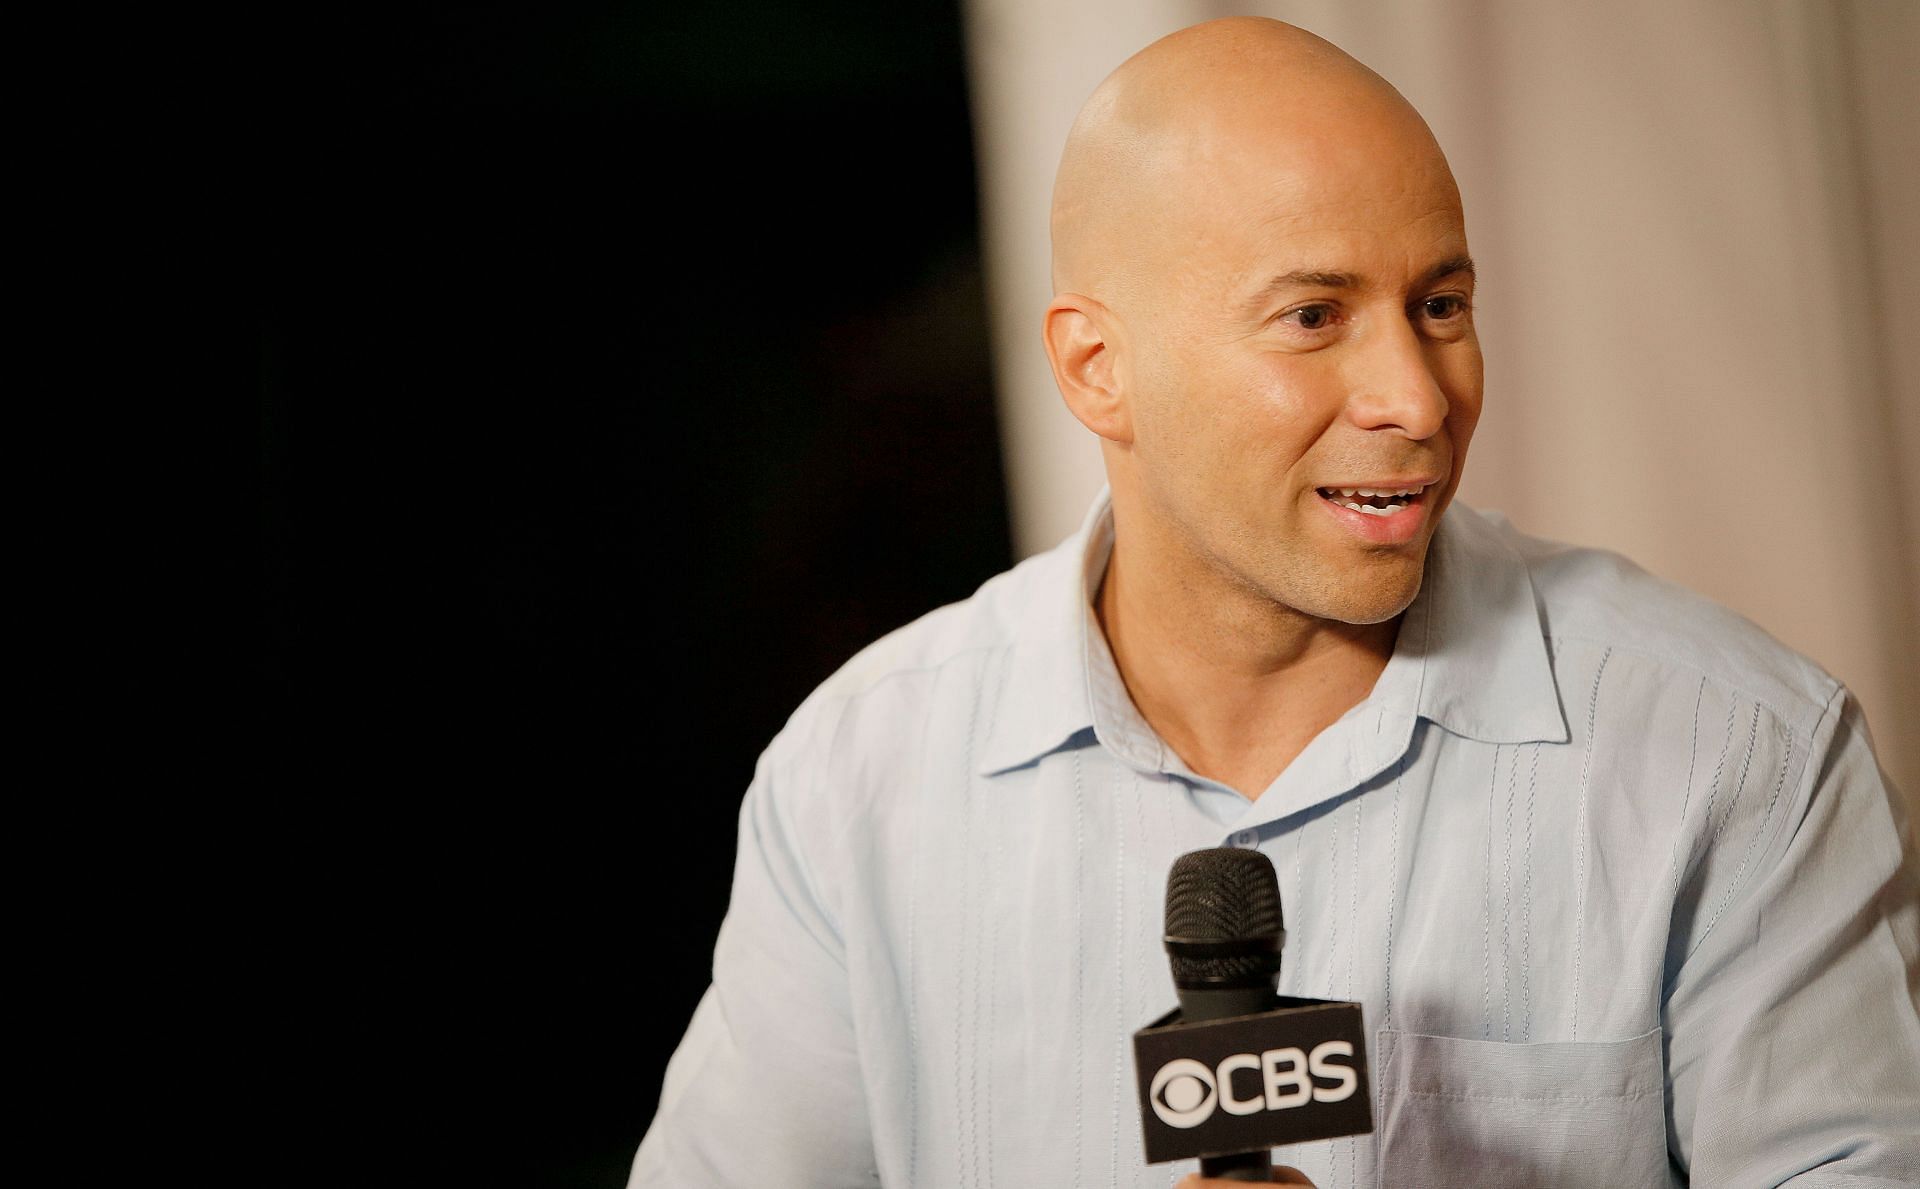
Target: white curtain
{"points": [[1700, 263]]}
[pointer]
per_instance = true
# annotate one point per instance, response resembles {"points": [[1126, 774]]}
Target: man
{"points": [[1615, 876]]}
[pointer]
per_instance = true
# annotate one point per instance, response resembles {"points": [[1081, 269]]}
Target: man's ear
{"points": [[1081, 335]]}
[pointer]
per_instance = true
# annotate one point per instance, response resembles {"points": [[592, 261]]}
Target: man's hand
{"points": [[1282, 1175]]}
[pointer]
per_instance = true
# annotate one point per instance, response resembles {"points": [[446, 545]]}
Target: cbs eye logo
{"points": [[1183, 1093]]}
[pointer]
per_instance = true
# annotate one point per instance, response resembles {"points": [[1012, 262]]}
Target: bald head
{"points": [[1263, 295], [1147, 160]]}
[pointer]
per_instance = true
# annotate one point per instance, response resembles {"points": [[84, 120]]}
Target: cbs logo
{"points": [[1185, 1091]]}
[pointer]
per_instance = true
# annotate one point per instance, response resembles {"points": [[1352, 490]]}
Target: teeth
{"points": [[1350, 492]]}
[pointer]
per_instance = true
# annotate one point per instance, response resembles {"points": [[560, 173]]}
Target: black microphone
{"points": [[1238, 1070], [1224, 935]]}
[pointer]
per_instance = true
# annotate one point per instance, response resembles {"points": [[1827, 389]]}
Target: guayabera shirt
{"points": [[1615, 876]]}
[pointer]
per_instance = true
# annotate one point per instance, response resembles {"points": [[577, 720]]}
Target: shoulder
{"points": [[1694, 735], [1595, 601], [878, 741], [986, 621], [948, 651]]}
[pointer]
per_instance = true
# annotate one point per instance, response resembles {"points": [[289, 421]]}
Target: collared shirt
{"points": [[1614, 875]]}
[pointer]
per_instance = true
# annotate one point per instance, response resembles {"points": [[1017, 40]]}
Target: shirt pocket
{"points": [[1493, 1115]]}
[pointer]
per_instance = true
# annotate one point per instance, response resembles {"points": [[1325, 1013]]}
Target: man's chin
{"points": [[1372, 615], [1377, 601]]}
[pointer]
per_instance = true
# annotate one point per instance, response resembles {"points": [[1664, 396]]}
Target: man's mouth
{"points": [[1373, 501]]}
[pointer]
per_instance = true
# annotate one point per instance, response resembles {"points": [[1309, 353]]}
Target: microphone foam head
{"points": [[1224, 925]]}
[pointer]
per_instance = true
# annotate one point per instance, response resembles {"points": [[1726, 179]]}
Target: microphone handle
{"points": [[1219, 1003], [1244, 1166]]}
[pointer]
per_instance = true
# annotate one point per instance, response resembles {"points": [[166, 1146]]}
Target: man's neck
{"points": [[1236, 686]]}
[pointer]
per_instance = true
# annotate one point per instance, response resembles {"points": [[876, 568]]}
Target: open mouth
{"points": [[1370, 501]]}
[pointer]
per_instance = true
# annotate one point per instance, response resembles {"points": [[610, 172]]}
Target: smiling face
{"points": [[1285, 323], [1316, 340]]}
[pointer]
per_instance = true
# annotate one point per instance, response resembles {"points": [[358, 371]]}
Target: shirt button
{"points": [[1246, 839]]}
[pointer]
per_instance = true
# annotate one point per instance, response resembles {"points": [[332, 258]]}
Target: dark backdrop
{"points": [[504, 415]]}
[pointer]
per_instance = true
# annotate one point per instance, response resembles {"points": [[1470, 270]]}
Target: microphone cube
{"points": [[1293, 1073]]}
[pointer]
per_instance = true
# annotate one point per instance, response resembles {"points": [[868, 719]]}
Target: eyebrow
{"points": [[1317, 279]]}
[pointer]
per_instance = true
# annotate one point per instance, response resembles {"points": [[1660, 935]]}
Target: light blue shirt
{"points": [[1614, 874]]}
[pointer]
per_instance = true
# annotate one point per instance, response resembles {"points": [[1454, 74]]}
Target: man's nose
{"points": [[1396, 384]]}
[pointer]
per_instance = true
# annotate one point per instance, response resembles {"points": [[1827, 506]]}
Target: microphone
{"points": [[1238, 1070], [1224, 934]]}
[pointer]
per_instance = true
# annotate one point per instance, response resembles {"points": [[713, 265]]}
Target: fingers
{"points": [[1282, 1175]]}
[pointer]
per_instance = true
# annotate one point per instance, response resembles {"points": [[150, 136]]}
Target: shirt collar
{"points": [[1471, 655], [1487, 671], [1049, 695]]}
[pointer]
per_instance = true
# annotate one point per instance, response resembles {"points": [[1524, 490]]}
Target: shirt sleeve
{"points": [[1792, 1031], [765, 1087]]}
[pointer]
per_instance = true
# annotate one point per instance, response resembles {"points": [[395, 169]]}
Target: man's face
{"points": [[1308, 334]]}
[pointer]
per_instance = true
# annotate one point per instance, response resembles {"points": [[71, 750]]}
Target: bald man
{"points": [[1614, 875]]}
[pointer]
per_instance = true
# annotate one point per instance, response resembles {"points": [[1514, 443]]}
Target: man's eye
{"points": [[1311, 317]]}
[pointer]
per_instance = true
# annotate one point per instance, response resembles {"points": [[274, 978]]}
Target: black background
{"points": [[496, 418]]}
